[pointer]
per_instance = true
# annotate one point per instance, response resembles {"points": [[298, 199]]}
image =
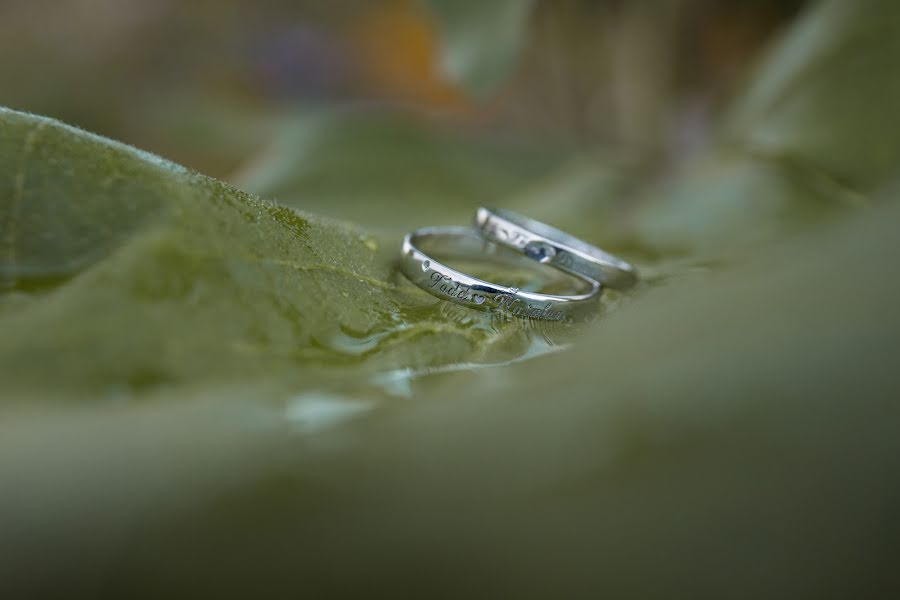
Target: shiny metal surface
{"points": [[449, 284], [549, 245]]}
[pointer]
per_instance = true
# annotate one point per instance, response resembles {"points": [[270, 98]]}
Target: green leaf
{"points": [[125, 273], [756, 403]]}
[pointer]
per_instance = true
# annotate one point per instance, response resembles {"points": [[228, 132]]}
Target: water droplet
{"points": [[370, 243]]}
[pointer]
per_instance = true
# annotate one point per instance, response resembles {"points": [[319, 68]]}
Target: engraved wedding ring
{"points": [[535, 240], [446, 283], [549, 245]]}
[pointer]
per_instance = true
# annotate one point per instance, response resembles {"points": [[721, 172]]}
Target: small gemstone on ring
{"points": [[539, 251], [426, 265]]}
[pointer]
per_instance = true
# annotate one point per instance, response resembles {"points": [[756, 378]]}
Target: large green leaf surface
{"points": [[125, 272], [760, 412]]}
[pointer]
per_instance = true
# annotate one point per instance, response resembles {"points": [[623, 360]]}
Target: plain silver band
{"points": [[549, 245], [449, 284]]}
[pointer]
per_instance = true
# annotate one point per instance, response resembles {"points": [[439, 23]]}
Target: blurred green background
{"points": [[214, 380], [209, 83]]}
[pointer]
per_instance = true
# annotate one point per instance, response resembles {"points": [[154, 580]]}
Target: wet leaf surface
{"points": [[162, 277]]}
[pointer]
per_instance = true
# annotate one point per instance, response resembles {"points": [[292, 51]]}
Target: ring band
{"points": [[449, 284], [549, 245]]}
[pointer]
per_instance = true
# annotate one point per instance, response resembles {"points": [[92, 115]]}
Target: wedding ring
{"points": [[452, 285], [549, 245]]}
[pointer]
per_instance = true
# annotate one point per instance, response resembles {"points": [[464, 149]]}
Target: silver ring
{"points": [[549, 245], [452, 285]]}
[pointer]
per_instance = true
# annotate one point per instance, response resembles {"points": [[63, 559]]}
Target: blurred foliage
{"points": [[815, 131], [204, 390], [207, 83], [825, 98], [481, 40], [401, 170]]}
